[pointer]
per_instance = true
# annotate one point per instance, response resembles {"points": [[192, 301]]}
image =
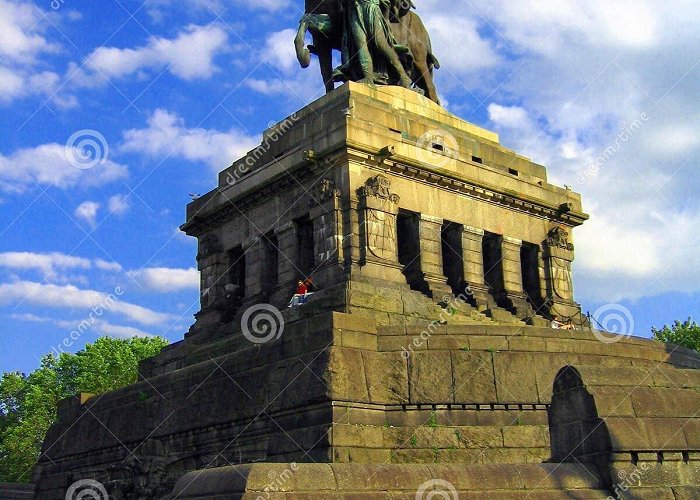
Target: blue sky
{"points": [[172, 92]]}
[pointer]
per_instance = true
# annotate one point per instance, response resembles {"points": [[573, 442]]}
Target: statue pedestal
{"points": [[366, 190]]}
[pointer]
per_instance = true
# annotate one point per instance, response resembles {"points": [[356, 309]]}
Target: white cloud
{"points": [[20, 32], [164, 279], [73, 298], [99, 326], [87, 211], [189, 56], [22, 43], [49, 263], [167, 135], [564, 82], [49, 165], [120, 331], [30, 318], [108, 266], [279, 50], [513, 117], [118, 204], [44, 262]]}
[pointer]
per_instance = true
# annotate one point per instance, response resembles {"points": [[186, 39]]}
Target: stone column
{"points": [[211, 262], [379, 208], [472, 255], [558, 257], [287, 272], [287, 244], [513, 277], [326, 216], [430, 229], [254, 256]]}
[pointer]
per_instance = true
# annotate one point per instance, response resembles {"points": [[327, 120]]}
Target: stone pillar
{"points": [[379, 208], [326, 216], [287, 272], [513, 277], [254, 255], [211, 262], [472, 254], [430, 236], [558, 257]]}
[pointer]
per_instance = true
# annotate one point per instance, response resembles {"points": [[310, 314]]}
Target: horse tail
{"points": [[303, 53]]}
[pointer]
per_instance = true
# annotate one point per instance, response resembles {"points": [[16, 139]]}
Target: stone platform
{"points": [[393, 482], [438, 256]]}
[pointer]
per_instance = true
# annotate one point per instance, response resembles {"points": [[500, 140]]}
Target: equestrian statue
{"points": [[380, 41]]}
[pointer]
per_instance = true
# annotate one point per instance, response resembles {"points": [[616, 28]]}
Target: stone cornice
{"points": [[209, 219], [562, 214], [306, 169]]}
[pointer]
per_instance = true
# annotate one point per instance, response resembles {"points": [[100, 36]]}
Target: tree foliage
{"points": [[28, 403], [686, 334]]}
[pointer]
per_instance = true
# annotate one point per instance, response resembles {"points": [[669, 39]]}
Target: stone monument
{"points": [[423, 363]]}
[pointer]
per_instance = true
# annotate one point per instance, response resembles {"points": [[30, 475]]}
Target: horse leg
{"points": [[425, 80], [324, 52], [303, 53]]}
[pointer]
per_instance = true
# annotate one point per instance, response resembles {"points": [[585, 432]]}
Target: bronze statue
{"points": [[381, 41]]}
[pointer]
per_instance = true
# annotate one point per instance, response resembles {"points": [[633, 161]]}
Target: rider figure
{"points": [[370, 51]]}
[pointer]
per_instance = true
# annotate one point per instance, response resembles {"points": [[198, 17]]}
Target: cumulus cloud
{"points": [[22, 44], [51, 165], [99, 326], [118, 204], [589, 90], [281, 74], [87, 211], [108, 266], [166, 135], [44, 262], [164, 279], [189, 56], [20, 32], [52, 261], [73, 298]]}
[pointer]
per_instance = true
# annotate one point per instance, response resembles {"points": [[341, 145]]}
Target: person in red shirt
{"points": [[302, 288]]}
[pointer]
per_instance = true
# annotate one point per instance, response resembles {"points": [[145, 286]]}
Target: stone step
{"points": [[393, 481]]}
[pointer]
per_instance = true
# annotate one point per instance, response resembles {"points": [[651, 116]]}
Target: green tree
{"points": [[686, 334], [28, 403]]}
